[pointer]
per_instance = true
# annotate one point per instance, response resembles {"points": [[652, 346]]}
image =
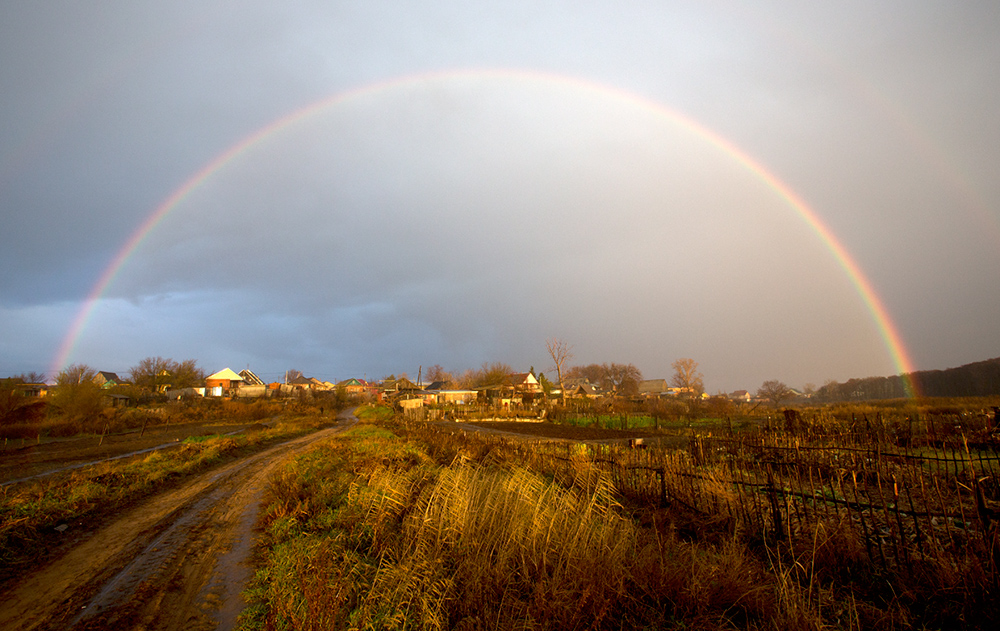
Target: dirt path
{"points": [[173, 562]]}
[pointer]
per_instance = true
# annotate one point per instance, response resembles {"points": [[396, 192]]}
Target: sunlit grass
{"points": [[369, 532]]}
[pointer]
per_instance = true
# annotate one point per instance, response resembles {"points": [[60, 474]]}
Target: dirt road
{"points": [[173, 562]]}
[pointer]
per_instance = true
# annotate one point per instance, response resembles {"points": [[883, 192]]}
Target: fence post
{"points": [[772, 496]]}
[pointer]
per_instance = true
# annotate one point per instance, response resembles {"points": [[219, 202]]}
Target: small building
{"points": [[308, 383], [411, 404], [740, 395], [32, 390], [654, 388], [107, 379], [585, 390], [222, 382], [455, 397], [352, 387], [525, 383]]}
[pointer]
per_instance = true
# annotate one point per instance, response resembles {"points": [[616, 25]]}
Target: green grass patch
{"points": [[374, 413]]}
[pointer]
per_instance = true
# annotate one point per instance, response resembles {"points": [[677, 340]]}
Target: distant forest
{"points": [[971, 380]]}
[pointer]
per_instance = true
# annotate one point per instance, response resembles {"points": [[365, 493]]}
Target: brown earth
{"points": [[173, 561], [554, 431]]}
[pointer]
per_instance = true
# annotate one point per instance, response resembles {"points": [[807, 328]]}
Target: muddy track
{"points": [[173, 562]]}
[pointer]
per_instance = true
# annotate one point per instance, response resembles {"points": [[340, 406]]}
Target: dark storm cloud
{"points": [[453, 221]]}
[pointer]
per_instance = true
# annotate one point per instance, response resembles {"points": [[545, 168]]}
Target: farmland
{"points": [[848, 517]]}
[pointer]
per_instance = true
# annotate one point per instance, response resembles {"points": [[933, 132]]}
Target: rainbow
{"points": [[887, 329]]}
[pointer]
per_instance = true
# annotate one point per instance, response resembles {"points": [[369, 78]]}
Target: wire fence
{"points": [[909, 504]]}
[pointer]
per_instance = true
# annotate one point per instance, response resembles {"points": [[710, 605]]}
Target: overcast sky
{"points": [[456, 182]]}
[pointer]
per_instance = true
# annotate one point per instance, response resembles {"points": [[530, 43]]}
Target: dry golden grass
{"points": [[435, 531], [369, 532]]}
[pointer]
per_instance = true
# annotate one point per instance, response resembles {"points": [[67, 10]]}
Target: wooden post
{"points": [[861, 514], [772, 496]]}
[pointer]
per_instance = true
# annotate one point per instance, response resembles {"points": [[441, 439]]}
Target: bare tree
{"points": [[686, 376], [186, 374], [292, 374], [155, 374], [623, 379], [774, 391], [77, 395], [493, 374], [560, 353], [593, 373], [438, 373], [32, 377], [465, 380], [151, 373]]}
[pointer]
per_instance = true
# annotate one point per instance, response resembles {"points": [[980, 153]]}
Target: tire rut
{"points": [[173, 562]]}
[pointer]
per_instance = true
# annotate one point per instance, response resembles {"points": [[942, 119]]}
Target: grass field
{"points": [[410, 527]]}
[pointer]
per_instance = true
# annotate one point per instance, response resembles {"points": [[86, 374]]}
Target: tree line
{"points": [[970, 380]]}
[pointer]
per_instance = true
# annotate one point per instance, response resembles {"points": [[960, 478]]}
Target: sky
{"points": [[778, 190]]}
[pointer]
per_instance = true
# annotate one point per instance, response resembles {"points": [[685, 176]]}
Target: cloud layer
{"points": [[491, 178]]}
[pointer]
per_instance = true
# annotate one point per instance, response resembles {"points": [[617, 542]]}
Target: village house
{"points": [[584, 391], [250, 378], [525, 383], [740, 395], [311, 384], [455, 397], [651, 388], [654, 388], [32, 390], [393, 387], [353, 387], [223, 383], [107, 379]]}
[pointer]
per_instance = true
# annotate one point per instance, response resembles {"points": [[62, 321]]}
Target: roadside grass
{"points": [[371, 530], [373, 413], [30, 511]]}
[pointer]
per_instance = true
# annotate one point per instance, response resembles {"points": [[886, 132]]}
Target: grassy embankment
{"points": [[372, 531], [29, 511]]}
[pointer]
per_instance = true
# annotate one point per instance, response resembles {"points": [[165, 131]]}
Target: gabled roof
{"points": [[109, 376], [402, 383], [653, 386], [522, 378], [250, 378], [587, 389], [225, 373]]}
